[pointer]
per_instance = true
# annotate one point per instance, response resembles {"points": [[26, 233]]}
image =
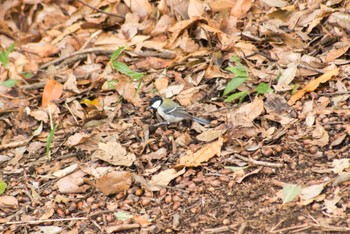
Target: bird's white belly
{"points": [[169, 118]]}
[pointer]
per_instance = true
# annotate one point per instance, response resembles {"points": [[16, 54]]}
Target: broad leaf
{"points": [[289, 192]]}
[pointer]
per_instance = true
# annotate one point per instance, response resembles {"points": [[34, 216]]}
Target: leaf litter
{"points": [[106, 156]]}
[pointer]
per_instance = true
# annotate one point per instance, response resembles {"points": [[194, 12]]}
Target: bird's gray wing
{"points": [[178, 112]]}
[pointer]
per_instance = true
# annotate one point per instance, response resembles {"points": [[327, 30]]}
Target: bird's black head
{"points": [[155, 102]]}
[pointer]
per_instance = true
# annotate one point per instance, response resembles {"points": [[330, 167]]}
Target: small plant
{"points": [[4, 55], [3, 186], [241, 75], [4, 60], [123, 68]]}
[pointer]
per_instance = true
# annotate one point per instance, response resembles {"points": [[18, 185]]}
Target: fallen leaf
{"points": [[114, 153], [77, 138], [114, 182], [203, 155], [40, 115], [289, 192], [339, 165], [338, 50], [245, 114], [72, 183], [8, 202], [320, 135], [65, 171], [50, 229], [162, 179], [312, 85], [126, 89], [286, 77], [52, 92], [331, 206], [240, 8], [211, 135], [275, 103], [312, 191]]}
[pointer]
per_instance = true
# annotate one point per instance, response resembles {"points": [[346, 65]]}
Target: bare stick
{"points": [[101, 11], [260, 163], [45, 221]]}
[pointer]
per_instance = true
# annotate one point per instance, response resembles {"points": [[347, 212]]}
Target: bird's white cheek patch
{"points": [[156, 104]]}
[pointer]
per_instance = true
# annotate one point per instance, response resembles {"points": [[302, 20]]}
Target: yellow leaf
{"points": [[202, 155], [312, 85]]}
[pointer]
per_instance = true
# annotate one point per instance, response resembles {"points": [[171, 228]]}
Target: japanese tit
{"points": [[172, 112]]}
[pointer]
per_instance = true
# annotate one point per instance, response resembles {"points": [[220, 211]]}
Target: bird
{"points": [[172, 112]]}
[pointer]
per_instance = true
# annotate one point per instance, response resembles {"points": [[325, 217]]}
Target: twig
{"points": [[307, 67], [219, 229], [46, 220], [333, 94], [331, 228], [260, 163], [284, 230], [122, 227], [101, 11], [166, 54], [242, 228], [81, 52]]}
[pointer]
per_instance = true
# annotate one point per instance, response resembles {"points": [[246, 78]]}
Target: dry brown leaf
{"points": [[125, 87], [8, 202], [203, 155], [73, 183], [340, 18], [240, 8], [338, 50], [77, 138], [65, 171], [320, 135], [52, 92], [40, 115], [195, 8], [161, 83], [114, 153], [219, 5], [211, 134], [312, 85], [114, 182], [42, 49], [162, 179], [286, 77], [275, 104], [245, 114]]}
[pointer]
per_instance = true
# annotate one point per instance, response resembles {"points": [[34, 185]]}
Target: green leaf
{"points": [[116, 54], [4, 55], [263, 88], [239, 95], [11, 48], [27, 74], [236, 169], [233, 84], [9, 83], [111, 84], [123, 215], [3, 186], [235, 58], [123, 68], [238, 70], [295, 88], [289, 192], [48, 142]]}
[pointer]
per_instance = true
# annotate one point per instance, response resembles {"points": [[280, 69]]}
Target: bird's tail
{"points": [[200, 120]]}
